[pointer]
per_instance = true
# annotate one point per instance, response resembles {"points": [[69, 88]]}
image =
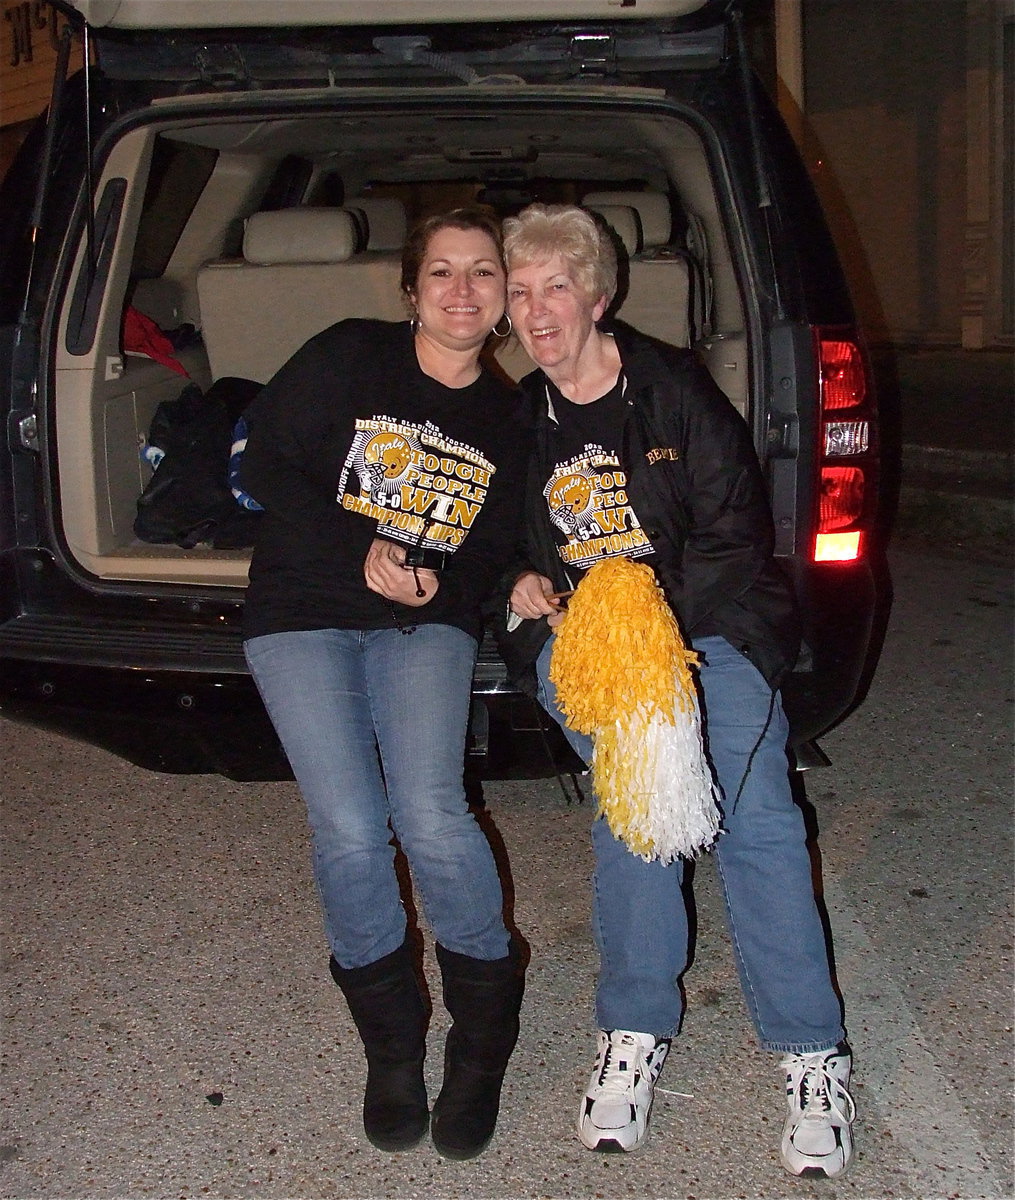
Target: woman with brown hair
{"points": [[388, 463]]}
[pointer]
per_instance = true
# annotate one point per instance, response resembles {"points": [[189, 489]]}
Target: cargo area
{"points": [[240, 229]]}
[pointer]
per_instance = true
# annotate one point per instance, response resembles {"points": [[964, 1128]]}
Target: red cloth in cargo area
{"points": [[142, 336]]}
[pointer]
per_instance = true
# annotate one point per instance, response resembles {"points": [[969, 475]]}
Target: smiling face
{"points": [[553, 316], [459, 292]]}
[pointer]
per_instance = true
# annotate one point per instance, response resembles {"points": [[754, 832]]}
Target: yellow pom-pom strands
{"points": [[623, 676]]}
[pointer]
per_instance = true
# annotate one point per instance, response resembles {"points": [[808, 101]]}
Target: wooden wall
{"points": [[29, 30], [28, 39]]}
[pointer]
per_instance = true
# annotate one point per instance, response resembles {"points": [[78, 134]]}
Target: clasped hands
{"points": [[385, 572]]}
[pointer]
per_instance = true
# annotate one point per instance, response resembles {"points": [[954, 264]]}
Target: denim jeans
{"points": [[374, 724], [638, 909]]}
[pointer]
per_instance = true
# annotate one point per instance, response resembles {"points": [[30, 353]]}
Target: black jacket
{"points": [[694, 481]]}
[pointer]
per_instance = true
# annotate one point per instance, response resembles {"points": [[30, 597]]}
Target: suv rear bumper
{"points": [[182, 701], [845, 608]]}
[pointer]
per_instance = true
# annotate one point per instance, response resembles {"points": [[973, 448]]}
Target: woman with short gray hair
{"points": [[636, 431], [539, 232]]}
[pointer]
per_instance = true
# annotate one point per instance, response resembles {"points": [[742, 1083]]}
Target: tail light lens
{"points": [[843, 373], [837, 547], [841, 501], [847, 448]]}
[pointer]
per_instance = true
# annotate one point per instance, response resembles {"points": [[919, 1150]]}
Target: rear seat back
{"points": [[386, 221], [625, 223], [302, 270], [653, 208], [658, 300], [305, 268]]}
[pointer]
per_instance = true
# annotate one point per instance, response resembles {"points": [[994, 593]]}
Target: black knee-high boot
{"points": [[484, 999], [388, 1009]]}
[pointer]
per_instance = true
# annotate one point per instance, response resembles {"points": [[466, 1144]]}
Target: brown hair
{"points": [[415, 248]]}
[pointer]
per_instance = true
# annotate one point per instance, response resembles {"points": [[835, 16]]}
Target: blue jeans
{"points": [[374, 724], [638, 910]]}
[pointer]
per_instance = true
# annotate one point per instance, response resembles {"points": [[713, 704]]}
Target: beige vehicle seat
{"points": [[659, 294], [302, 270], [386, 221]]}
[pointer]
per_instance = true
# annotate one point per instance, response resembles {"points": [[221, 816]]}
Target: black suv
{"points": [[212, 190]]}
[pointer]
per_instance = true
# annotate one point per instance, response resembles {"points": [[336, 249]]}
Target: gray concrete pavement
{"points": [[170, 1029]]}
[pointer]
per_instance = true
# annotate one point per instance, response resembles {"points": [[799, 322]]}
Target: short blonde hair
{"points": [[540, 231]]}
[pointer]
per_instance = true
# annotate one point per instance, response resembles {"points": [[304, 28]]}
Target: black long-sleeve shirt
{"points": [[350, 441]]}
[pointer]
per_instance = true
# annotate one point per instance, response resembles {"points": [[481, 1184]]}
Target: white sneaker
{"points": [[818, 1138], [615, 1109]]}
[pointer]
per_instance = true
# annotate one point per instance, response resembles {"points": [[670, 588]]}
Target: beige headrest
{"points": [[300, 235], [624, 221], [386, 221], [653, 209]]}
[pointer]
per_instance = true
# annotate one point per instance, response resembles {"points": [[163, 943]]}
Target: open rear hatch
{"points": [[234, 14], [246, 43], [249, 105]]}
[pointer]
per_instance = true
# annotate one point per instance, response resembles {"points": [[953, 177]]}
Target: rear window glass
{"points": [[503, 196], [178, 175]]}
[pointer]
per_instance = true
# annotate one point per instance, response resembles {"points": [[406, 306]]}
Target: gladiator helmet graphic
{"points": [[382, 465], [569, 499]]}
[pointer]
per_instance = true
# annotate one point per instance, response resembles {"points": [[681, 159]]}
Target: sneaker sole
{"points": [[820, 1172], [609, 1145]]}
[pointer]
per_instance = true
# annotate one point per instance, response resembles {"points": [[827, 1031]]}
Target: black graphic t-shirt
{"points": [[586, 492], [351, 441], [420, 486]]}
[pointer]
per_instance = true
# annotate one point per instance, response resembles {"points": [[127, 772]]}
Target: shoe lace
{"points": [[619, 1076], [822, 1092]]}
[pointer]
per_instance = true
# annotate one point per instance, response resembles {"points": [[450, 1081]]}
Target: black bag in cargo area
{"points": [[188, 499]]}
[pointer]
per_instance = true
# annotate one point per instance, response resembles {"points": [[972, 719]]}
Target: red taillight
{"points": [[843, 374], [840, 503], [846, 447]]}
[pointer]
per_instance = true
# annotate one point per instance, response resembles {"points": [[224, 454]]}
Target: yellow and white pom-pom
{"points": [[622, 674]]}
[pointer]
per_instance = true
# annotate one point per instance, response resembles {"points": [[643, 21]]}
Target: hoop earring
{"points": [[497, 333]]}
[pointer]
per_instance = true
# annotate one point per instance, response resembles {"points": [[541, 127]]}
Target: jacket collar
{"points": [[641, 365], [551, 411]]}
